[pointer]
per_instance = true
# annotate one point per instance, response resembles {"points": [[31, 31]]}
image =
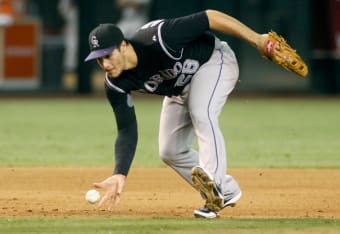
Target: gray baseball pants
{"points": [[195, 114]]}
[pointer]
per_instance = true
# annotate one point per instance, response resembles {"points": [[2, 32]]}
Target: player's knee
{"points": [[198, 113], [167, 153], [200, 119]]}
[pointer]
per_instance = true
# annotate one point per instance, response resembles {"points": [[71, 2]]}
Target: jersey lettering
{"points": [[152, 84], [185, 72], [177, 68], [169, 74]]}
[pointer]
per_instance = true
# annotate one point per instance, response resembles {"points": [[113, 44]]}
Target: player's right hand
{"points": [[114, 186]]}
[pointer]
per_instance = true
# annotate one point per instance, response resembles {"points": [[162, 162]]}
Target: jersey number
{"points": [[186, 71]]}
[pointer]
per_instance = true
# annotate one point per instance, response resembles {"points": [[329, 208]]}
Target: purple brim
{"points": [[99, 53]]}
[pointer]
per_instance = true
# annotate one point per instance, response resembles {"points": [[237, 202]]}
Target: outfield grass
{"points": [[80, 132], [155, 225]]}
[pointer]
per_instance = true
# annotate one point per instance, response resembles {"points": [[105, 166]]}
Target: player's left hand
{"points": [[275, 48], [114, 186]]}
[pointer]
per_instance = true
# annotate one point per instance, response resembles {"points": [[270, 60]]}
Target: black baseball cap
{"points": [[103, 40]]}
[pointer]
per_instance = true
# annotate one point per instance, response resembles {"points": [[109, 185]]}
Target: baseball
{"points": [[92, 196]]}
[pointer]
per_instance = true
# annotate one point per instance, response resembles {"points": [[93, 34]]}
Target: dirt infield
{"points": [[159, 192]]}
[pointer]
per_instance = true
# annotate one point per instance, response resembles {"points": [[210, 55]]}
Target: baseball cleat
{"points": [[231, 201], [205, 213], [204, 183]]}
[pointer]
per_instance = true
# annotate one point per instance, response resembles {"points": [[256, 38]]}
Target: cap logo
{"points": [[94, 42]]}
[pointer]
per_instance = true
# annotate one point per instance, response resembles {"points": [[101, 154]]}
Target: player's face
{"points": [[112, 63]]}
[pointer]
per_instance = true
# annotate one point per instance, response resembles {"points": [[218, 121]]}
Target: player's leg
{"points": [[176, 137], [208, 93]]}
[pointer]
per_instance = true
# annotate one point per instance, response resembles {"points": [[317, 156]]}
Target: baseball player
{"points": [[183, 61]]}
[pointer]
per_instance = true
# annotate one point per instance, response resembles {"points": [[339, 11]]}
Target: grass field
{"points": [[154, 225], [260, 132]]}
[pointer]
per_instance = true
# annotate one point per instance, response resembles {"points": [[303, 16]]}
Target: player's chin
{"points": [[114, 74]]}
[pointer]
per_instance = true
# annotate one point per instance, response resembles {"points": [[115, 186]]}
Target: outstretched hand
{"points": [[114, 186]]}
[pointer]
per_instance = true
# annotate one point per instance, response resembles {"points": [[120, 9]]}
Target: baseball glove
{"points": [[277, 50]]}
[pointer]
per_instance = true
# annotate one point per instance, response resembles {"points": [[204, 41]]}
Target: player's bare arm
{"points": [[271, 45], [226, 24]]}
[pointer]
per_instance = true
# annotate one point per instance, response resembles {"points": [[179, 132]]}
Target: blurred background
{"points": [[43, 43]]}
